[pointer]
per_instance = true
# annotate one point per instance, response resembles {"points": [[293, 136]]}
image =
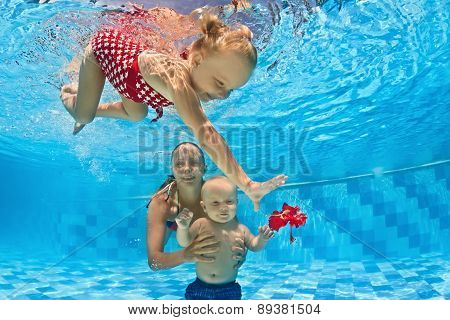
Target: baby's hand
{"points": [[265, 232], [184, 218]]}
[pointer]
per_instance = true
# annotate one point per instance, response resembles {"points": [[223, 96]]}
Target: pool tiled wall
{"points": [[403, 214]]}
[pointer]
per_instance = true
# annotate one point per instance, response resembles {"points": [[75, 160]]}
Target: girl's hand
{"points": [[184, 218], [239, 252], [257, 190], [265, 232], [202, 249]]}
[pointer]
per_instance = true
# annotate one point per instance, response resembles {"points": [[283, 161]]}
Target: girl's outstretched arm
{"points": [[188, 107]]}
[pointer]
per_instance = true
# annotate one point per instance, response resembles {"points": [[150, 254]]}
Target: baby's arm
{"points": [[183, 221], [186, 234], [257, 243]]}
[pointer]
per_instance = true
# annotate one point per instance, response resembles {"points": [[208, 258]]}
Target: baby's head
{"points": [[219, 199], [222, 60]]}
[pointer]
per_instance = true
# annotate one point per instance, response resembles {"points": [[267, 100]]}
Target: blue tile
{"points": [[391, 220], [133, 222], [402, 231], [411, 191], [121, 232], [379, 209], [428, 294], [381, 288], [414, 241], [444, 210], [38, 296], [79, 231], [362, 284], [281, 296], [434, 211], [349, 297], [45, 289], [366, 198], [434, 280], [326, 285], [423, 201], [444, 222], [439, 172], [91, 220], [6, 286], [112, 253], [372, 268], [435, 268], [306, 290], [399, 180], [344, 280], [393, 276], [353, 186], [423, 273], [319, 296]]}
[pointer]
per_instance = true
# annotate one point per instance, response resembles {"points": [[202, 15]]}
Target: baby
{"points": [[217, 280]]}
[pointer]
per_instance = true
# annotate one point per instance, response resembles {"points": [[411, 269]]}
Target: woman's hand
{"points": [[257, 190], [202, 249], [239, 252]]}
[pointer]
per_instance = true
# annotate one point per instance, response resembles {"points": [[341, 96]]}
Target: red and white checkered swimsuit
{"points": [[118, 58]]}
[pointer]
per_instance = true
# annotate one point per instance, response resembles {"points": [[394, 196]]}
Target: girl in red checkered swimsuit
{"points": [[221, 60]]}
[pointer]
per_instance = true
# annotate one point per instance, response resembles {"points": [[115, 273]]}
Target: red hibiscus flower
{"points": [[288, 214]]}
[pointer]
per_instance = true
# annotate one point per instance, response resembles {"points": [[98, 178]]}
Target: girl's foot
{"points": [[68, 97], [77, 128]]}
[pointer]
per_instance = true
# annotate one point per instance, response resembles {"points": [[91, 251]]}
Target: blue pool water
{"points": [[351, 104]]}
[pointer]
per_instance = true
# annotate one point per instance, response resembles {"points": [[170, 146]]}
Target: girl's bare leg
{"points": [[126, 109], [82, 101]]}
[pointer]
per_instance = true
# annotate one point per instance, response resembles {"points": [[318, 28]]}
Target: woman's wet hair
{"points": [[217, 36], [200, 151]]}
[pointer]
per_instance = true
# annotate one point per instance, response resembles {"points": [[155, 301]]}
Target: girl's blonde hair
{"points": [[217, 36]]}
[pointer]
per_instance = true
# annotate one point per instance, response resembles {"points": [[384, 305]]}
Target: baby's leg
{"points": [[83, 106]]}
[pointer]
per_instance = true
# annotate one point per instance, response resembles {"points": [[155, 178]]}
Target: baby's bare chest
{"points": [[226, 237]]}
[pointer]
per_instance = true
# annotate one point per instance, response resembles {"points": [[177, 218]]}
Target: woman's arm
{"points": [[156, 230], [203, 244]]}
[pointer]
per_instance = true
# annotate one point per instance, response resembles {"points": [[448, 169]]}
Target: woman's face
{"points": [[187, 166]]}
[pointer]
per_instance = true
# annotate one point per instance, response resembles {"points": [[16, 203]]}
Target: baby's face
{"points": [[220, 73], [220, 201]]}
